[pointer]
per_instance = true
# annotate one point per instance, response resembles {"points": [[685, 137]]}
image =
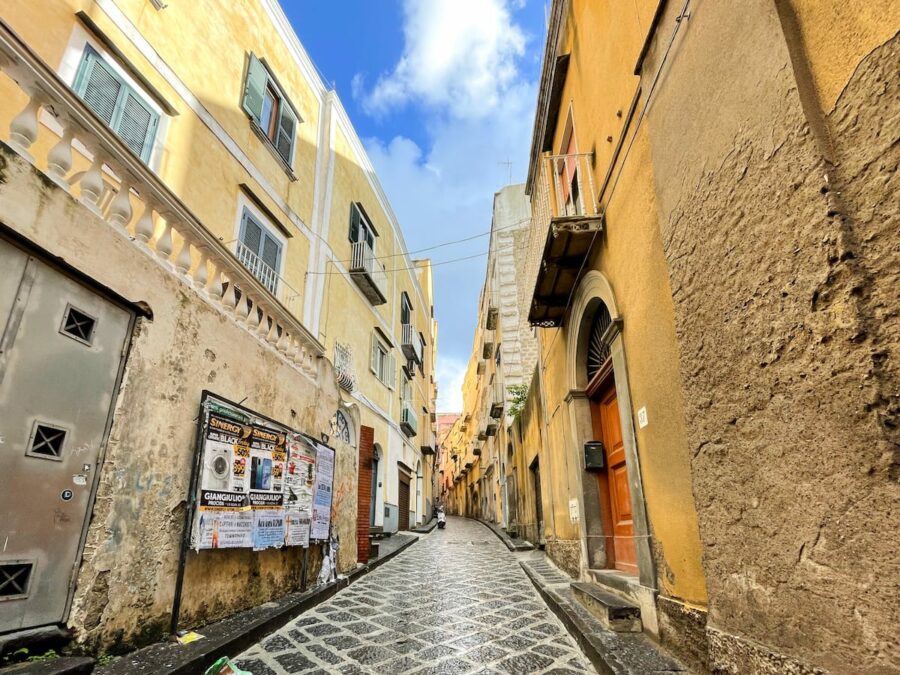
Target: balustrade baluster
{"points": [[59, 159], [120, 211], [144, 228], [164, 244], [23, 128], [272, 335], [183, 259], [230, 299], [214, 288], [201, 274], [92, 184]]}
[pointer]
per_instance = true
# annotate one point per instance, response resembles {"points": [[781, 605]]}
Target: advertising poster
{"points": [[299, 483], [321, 512], [260, 485], [268, 456], [225, 520]]}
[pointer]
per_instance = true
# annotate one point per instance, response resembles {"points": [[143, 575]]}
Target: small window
{"points": [[269, 109], [105, 92], [382, 362], [361, 229], [259, 251], [15, 578], [78, 325], [46, 441], [405, 309]]}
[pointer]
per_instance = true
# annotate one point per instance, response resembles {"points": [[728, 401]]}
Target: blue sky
{"points": [[441, 92]]}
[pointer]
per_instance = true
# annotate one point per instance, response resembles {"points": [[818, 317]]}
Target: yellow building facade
{"points": [[675, 286], [277, 275]]}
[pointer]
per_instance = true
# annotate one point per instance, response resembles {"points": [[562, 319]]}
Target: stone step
{"points": [[610, 610]]}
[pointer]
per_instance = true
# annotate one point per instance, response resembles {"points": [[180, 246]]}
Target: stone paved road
{"points": [[454, 602]]}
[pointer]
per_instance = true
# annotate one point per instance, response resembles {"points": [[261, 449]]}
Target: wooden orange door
{"points": [[615, 493]]}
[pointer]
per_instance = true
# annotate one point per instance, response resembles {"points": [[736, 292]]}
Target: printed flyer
{"points": [[268, 455], [321, 512], [225, 520], [299, 483], [260, 485]]}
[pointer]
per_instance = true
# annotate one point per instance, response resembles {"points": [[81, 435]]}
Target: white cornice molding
{"points": [[292, 42]]}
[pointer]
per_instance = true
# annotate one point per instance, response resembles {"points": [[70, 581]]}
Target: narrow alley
{"points": [[469, 609]]}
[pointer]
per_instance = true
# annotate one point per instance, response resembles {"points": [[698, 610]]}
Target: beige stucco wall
{"points": [[783, 267], [126, 580]]}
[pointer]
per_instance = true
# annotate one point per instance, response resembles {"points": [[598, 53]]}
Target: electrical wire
{"points": [[414, 267]]}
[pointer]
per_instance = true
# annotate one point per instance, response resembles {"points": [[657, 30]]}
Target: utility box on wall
{"points": [[594, 456]]}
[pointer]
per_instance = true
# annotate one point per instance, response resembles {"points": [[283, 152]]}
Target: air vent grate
{"points": [[78, 325], [14, 578], [47, 441]]}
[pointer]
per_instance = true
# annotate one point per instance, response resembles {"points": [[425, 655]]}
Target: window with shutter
{"points": [[269, 110], [259, 251], [106, 93]]}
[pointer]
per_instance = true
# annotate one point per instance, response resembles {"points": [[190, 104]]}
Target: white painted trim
{"points": [[124, 24], [295, 47]]}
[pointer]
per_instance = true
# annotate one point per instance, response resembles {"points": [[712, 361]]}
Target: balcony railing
{"points": [[490, 317], [142, 208], [410, 343], [344, 371], [269, 278], [487, 344], [497, 397], [368, 273], [428, 440], [564, 218], [409, 422]]}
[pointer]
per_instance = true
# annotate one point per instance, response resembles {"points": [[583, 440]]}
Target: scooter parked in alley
{"points": [[441, 518]]}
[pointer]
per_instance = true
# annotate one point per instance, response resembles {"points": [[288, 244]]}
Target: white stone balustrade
{"points": [[143, 208]]}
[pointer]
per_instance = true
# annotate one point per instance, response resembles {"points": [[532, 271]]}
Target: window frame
{"points": [[255, 66], [245, 205], [80, 78]]}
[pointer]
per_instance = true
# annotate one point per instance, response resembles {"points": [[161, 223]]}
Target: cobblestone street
{"points": [[455, 602]]}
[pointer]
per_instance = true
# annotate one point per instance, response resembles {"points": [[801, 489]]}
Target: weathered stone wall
{"points": [[784, 273], [126, 581]]}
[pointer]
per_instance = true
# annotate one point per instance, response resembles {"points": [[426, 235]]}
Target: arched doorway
{"points": [[615, 531], [609, 465]]}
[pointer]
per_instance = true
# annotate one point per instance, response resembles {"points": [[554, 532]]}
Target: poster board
{"points": [[257, 481]]}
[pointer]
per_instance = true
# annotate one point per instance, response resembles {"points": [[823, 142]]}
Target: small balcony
{"points": [[368, 273], [409, 422], [428, 441], [410, 343], [344, 371], [490, 317], [565, 213], [487, 344]]}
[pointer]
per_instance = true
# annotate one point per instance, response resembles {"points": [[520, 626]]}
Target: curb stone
{"points": [[234, 634]]}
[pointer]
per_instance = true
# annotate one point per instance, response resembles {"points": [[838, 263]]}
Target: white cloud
{"points": [[460, 70], [450, 375], [458, 54]]}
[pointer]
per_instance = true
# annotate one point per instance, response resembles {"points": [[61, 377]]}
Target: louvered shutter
{"points": [[254, 88], [99, 87], [284, 136], [373, 356], [136, 125], [271, 252], [354, 223], [391, 375], [251, 234]]}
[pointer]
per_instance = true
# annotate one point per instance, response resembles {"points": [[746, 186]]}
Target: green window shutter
{"points": [[117, 104], [136, 125], [98, 86], [284, 136], [373, 357], [254, 88], [354, 223], [251, 234], [271, 252]]}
